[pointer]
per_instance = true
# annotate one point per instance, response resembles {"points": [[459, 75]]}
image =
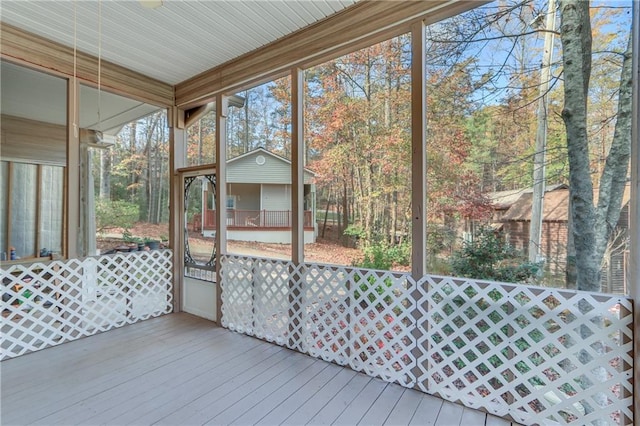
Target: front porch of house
{"points": [[267, 226], [181, 369]]}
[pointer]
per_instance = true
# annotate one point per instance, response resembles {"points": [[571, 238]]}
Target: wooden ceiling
{"points": [[173, 42]]}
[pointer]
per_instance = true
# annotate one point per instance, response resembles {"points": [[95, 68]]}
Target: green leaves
{"points": [[489, 257]]}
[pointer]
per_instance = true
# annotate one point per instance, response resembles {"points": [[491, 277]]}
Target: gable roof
{"points": [[502, 200], [555, 206], [263, 151]]}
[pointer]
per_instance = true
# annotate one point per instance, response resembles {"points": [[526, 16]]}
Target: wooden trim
{"points": [[177, 146], [297, 165], [65, 213], [221, 196], [199, 168], [38, 208], [72, 182], [9, 197], [197, 113], [32, 141], [357, 26], [418, 152], [28, 48]]}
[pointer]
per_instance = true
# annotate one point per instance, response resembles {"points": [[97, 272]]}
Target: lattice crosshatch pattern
{"points": [[527, 352], [538, 355], [45, 304]]}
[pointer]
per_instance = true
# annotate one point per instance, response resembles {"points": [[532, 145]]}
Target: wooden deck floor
{"points": [[182, 370]]}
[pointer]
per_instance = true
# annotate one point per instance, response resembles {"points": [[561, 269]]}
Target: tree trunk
{"points": [[345, 207], [576, 43], [592, 227], [132, 164], [614, 175], [326, 213]]}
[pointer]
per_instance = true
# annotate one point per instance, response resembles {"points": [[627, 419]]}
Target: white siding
{"points": [[276, 197], [273, 170], [247, 195]]}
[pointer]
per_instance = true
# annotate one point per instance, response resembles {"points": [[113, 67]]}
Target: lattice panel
{"points": [[271, 299], [361, 318], [237, 293], [338, 314], [536, 354], [326, 313], [45, 304], [541, 356]]}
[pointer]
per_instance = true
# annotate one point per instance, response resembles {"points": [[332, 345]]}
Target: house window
{"points": [[31, 208], [231, 202]]}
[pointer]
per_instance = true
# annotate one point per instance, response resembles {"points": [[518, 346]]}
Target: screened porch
{"points": [[134, 121]]}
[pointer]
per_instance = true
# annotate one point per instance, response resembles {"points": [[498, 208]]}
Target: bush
{"points": [[115, 214], [383, 256], [489, 257]]}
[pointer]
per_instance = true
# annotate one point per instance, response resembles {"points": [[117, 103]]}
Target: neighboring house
{"points": [[259, 200], [512, 215], [516, 221]]}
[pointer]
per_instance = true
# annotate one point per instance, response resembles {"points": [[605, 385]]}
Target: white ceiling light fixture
{"points": [[151, 4]]}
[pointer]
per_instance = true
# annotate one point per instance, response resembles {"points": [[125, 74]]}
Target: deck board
{"points": [[354, 412], [404, 410], [182, 370], [384, 404], [427, 411], [341, 400], [449, 414]]}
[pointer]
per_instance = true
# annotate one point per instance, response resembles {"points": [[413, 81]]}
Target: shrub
{"points": [[115, 214], [383, 256], [489, 257]]}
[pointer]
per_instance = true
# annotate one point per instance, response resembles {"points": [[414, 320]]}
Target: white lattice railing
{"points": [[45, 304], [537, 355]]}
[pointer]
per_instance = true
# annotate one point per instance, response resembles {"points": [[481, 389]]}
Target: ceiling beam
{"points": [[26, 48], [363, 24]]}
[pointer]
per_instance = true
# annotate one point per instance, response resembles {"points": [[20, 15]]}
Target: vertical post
{"points": [[73, 169], [38, 210], [418, 182], [539, 158], [418, 152], [297, 165], [297, 203], [221, 195], [177, 159], [634, 267]]}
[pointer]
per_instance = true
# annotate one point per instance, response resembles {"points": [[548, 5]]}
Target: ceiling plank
{"points": [[27, 48], [365, 22]]}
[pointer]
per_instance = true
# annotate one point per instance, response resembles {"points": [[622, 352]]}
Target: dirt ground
{"points": [[324, 250]]}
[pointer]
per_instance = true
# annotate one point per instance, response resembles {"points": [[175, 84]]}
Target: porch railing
{"points": [[250, 219], [45, 304], [536, 355]]}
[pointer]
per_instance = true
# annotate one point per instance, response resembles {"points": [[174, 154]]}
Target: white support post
{"points": [[177, 159], [418, 152], [222, 105], [297, 165], [634, 226]]}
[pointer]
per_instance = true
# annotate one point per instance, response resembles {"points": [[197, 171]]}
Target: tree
{"points": [[592, 224], [489, 257], [505, 78]]}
